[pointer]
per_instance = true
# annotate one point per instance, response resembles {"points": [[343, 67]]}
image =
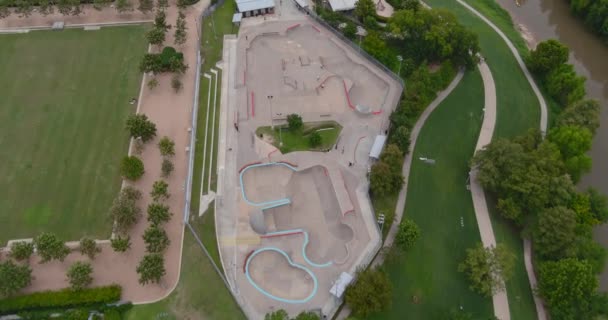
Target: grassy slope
{"points": [[64, 99], [512, 120], [298, 141], [201, 294], [437, 199]]}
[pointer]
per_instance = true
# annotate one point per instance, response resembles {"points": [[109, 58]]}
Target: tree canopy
{"points": [[79, 275], [371, 292], [151, 268], [548, 56], [13, 278], [49, 247], [488, 268]]}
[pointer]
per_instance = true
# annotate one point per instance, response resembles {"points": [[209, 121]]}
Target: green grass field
{"points": [[299, 140], [437, 199], [64, 100]]}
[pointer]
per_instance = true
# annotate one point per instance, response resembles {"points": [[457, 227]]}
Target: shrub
{"points": [[158, 213], [139, 126], [160, 190], [89, 247], [60, 299], [166, 146], [152, 83], [166, 168], [151, 268], [315, 139], [50, 247], [156, 239], [120, 244], [408, 233], [79, 275], [176, 83], [124, 211], [294, 122], [13, 278], [21, 250], [132, 168]]}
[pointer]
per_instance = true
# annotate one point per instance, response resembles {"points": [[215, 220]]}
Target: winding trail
{"points": [[541, 313]]}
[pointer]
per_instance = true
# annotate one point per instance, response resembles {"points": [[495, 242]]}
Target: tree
{"points": [[383, 180], [315, 139], [21, 250], [123, 6], [151, 268], [162, 4], [565, 86], [573, 143], [79, 275], [166, 168], [121, 244], [401, 138], [158, 213], [294, 122], [393, 156], [132, 168], [598, 205], [555, 233], [153, 83], [277, 315], [584, 114], [166, 147], [5, 9], [547, 56], [89, 247], [372, 292], [124, 211], [365, 8], [13, 277], [145, 6], [160, 21], [408, 233], [176, 83], [350, 30], [100, 4], [376, 47], [307, 316], [139, 126], [64, 7], [156, 36], [160, 190], [180, 30], [156, 239], [488, 268], [568, 286], [49, 247], [24, 8]]}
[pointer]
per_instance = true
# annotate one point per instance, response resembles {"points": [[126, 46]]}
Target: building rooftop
{"points": [[342, 5], [250, 5]]}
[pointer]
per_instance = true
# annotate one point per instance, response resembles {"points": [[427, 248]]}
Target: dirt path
{"points": [[172, 114]]}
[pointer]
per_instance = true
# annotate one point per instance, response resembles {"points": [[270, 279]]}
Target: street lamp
{"points": [[400, 58], [270, 97]]}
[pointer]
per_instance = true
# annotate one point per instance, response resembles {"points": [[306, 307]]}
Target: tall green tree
{"points": [[156, 239], [21, 250], [139, 126], [49, 247], [547, 56], [158, 213], [573, 143], [79, 275], [371, 292], [408, 234], [124, 211], [151, 268], [565, 85], [568, 287], [132, 168], [555, 233], [294, 122], [585, 113], [13, 278], [488, 268], [156, 36], [365, 8]]}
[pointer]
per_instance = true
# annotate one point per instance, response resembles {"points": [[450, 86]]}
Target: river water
{"points": [[544, 19]]}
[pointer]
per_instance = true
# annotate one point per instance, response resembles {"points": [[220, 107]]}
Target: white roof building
{"points": [[340, 285], [377, 146], [251, 5], [342, 5]]}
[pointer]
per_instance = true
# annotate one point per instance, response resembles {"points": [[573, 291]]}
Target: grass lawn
{"points": [[200, 294], [299, 140], [437, 200], [64, 99]]}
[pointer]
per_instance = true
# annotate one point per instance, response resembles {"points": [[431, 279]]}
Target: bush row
{"points": [[60, 299]]}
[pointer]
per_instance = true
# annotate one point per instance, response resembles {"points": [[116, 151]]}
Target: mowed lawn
{"points": [[437, 200], [64, 98]]}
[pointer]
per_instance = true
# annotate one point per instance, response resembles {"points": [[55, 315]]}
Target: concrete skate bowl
{"points": [[368, 89], [263, 184], [272, 272], [314, 207]]}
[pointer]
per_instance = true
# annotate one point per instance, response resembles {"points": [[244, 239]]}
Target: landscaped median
{"points": [[312, 136]]}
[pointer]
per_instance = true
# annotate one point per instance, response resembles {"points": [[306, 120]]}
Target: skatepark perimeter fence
{"points": [[354, 46]]}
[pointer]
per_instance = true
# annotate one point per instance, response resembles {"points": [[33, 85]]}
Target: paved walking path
{"points": [[172, 114], [499, 299], [540, 308]]}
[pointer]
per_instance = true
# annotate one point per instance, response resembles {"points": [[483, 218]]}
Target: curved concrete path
{"points": [[540, 309], [499, 299]]}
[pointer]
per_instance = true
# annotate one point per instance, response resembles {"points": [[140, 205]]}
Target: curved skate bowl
{"points": [[304, 277]]}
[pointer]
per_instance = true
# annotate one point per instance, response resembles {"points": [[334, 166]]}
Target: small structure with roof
{"points": [[377, 147], [342, 5], [250, 8]]}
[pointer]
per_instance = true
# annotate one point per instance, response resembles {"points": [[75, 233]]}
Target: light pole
{"points": [[270, 102], [400, 58]]}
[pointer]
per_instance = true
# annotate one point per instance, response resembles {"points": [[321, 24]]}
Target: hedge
{"points": [[60, 299]]}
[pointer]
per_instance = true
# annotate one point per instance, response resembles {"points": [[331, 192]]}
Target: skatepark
{"points": [[292, 226]]}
